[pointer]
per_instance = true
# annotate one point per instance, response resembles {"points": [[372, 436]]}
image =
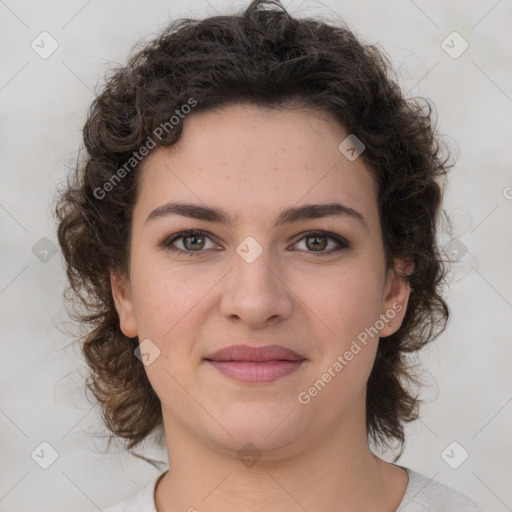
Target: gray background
{"points": [[43, 105]]}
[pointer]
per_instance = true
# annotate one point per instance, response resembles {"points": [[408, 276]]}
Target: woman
{"points": [[253, 234]]}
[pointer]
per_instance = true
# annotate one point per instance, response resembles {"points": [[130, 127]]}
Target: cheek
{"points": [[167, 305], [347, 300], [166, 295], [346, 311]]}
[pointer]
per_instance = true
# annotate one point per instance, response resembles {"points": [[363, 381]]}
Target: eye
{"points": [[317, 242], [192, 241], [195, 241]]}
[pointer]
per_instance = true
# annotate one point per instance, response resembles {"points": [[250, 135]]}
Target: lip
{"points": [[255, 364], [256, 354]]}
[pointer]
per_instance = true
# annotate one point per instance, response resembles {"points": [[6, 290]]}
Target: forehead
{"points": [[253, 161]]}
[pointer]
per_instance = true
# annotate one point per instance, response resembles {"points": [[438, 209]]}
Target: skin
{"points": [[254, 162]]}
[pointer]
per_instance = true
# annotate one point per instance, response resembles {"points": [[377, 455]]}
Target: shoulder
{"points": [[140, 501], [424, 494]]}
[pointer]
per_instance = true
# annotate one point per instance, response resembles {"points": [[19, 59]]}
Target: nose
{"points": [[256, 293]]}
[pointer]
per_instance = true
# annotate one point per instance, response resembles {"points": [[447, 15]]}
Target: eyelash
{"points": [[343, 244]]}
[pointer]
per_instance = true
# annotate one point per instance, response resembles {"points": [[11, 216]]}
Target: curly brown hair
{"points": [[265, 57]]}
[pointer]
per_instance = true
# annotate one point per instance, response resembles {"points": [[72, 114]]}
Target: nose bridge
{"points": [[254, 291]]}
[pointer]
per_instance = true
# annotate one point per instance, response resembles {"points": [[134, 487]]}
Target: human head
{"points": [[266, 58]]}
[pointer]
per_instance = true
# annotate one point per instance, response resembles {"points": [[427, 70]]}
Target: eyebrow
{"points": [[288, 216]]}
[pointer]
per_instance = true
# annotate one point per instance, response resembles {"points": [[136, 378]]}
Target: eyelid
{"points": [[341, 241], [183, 234]]}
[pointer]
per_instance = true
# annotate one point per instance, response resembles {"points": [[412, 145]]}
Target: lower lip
{"points": [[251, 371]]}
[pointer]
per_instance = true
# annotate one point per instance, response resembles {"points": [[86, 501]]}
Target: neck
{"points": [[338, 472]]}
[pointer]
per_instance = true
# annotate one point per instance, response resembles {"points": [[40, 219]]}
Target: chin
{"points": [[266, 426]]}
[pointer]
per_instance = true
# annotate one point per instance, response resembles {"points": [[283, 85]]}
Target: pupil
{"points": [[315, 244], [193, 237]]}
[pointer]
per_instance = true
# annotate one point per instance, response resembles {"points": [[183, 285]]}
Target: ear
{"points": [[396, 297], [121, 292]]}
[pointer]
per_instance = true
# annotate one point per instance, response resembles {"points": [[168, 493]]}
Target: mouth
{"points": [[255, 364]]}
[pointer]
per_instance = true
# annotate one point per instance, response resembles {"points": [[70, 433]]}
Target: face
{"points": [[313, 280]]}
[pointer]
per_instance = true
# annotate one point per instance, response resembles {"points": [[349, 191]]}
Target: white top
{"points": [[422, 495]]}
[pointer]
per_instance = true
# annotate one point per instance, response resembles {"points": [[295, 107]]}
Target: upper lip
{"points": [[254, 353]]}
